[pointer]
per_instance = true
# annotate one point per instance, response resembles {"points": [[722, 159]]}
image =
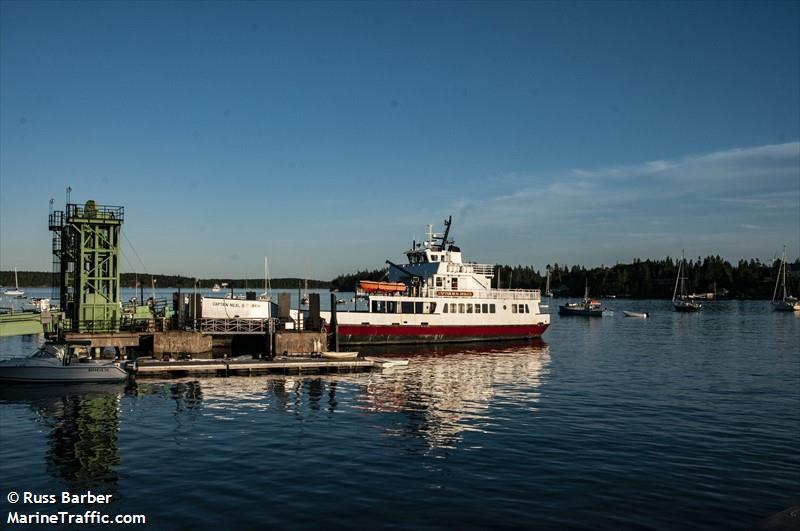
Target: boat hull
{"points": [[415, 334], [565, 311], [786, 306], [640, 315], [68, 374]]}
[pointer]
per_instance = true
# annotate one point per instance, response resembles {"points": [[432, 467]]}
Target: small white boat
{"points": [[339, 355], [386, 363], [640, 315], [37, 305], [55, 362], [16, 292], [216, 288]]}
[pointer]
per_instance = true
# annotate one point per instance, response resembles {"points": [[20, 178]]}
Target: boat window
{"points": [[407, 307], [434, 258], [469, 308], [417, 307], [527, 310], [438, 282], [491, 308], [477, 308], [455, 283], [433, 307], [452, 307], [378, 307], [486, 308], [461, 307], [444, 308], [391, 306]]}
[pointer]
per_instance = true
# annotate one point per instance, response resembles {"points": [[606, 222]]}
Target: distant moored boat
{"points": [[586, 308], [680, 300], [787, 303]]}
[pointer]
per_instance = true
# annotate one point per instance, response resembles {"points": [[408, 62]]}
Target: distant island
{"points": [[642, 279]]}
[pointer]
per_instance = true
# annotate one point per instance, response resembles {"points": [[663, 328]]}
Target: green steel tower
{"points": [[86, 257]]}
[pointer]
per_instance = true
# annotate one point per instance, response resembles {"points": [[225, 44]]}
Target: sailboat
{"points": [[267, 295], [305, 289], [547, 291], [787, 303], [680, 300], [16, 292]]}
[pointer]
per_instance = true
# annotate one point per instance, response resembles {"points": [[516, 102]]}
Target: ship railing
{"points": [[526, 294], [470, 267], [514, 294]]}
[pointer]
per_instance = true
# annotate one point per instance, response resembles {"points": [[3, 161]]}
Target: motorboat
{"points": [[585, 308], [62, 363]]}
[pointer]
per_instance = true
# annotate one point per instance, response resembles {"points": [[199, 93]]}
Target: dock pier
{"points": [[248, 367]]}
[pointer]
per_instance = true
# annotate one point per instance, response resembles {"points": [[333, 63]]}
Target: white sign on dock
{"points": [[218, 308]]}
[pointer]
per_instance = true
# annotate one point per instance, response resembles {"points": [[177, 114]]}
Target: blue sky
{"points": [[327, 135]]}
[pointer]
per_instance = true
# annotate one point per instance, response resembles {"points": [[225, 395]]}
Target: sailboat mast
{"points": [[783, 273], [781, 280], [677, 280]]}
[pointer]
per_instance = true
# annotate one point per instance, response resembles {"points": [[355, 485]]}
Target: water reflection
{"points": [[83, 424], [444, 392], [443, 395]]}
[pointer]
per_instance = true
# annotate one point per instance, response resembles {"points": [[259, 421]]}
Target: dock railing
{"points": [[236, 326]]}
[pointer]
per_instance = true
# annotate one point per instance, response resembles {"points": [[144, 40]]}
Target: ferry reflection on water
{"points": [[442, 393]]}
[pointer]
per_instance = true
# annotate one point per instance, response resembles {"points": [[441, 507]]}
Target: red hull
{"points": [[397, 334]]}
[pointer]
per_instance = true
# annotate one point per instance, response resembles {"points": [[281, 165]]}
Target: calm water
{"points": [[675, 422]]}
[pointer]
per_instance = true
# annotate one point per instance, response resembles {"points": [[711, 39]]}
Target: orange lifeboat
{"points": [[374, 286]]}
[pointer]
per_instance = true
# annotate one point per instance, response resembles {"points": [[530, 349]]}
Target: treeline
{"points": [[747, 279], [653, 279], [646, 279], [129, 280]]}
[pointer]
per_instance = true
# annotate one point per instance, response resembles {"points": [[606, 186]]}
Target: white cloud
{"points": [[709, 198]]}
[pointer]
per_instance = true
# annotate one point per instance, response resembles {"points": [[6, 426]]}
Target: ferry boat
{"points": [[437, 297]]}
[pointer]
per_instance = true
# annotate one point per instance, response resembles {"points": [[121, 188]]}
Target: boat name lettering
{"points": [[242, 304], [449, 293]]}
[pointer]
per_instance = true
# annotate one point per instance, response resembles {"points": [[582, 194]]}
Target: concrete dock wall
{"points": [[180, 342], [293, 342]]}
